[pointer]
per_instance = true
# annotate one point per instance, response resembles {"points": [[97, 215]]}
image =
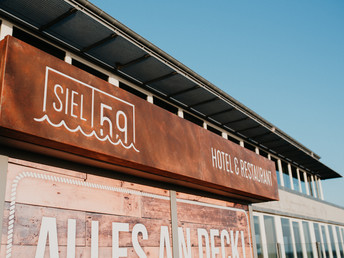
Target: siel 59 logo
{"points": [[82, 108]]}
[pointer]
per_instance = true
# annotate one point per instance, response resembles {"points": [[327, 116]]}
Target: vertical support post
{"points": [[225, 135], [306, 182], [113, 81], [150, 98], [299, 180], [68, 58], [290, 176], [314, 187], [174, 224], [242, 143], [321, 190], [253, 233], [205, 125], [3, 181], [5, 29], [180, 113], [257, 150], [279, 162]]}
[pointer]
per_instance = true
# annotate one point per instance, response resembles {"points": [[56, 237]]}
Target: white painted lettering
{"points": [[139, 228], [213, 157], [82, 108], [124, 128], [71, 238], [236, 167], [235, 252], [202, 233], [214, 250], [243, 244], [224, 234], [165, 241], [184, 247], [72, 104], [58, 109], [116, 250], [48, 228], [104, 118], [94, 239]]}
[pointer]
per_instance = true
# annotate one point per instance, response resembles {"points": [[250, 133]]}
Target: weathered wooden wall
{"points": [[35, 191]]}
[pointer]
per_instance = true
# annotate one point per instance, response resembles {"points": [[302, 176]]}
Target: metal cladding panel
{"points": [[172, 85], [146, 70], [193, 97], [212, 107], [34, 11], [48, 102], [256, 132], [79, 30], [241, 126], [116, 51]]}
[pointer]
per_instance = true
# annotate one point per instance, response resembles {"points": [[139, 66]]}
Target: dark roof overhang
{"points": [[86, 30]]}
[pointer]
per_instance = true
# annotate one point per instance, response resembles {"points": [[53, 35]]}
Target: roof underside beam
{"points": [[58, 19], [203, 102], [184, 91], [236, 121], [161, 78], [220, 112], [249, 128], [133, 62], [100, 42]]}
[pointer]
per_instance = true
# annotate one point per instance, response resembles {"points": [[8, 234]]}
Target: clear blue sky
{"points": [[282, 59]]}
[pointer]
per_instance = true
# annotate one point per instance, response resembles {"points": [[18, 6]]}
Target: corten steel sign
{"points": [[48, 102]]}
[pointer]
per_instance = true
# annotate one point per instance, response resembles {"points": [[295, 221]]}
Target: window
{"points": [[165, 105], [263, 153], [258, 237], [297, 238], [38, 43], [308, 241], [295, 178], [193, 119], [90, 70], [286, 178], [277, 170], [287, 239], [326, 243], [132, 91], [333, 245], [340, 242], [271, 239], [232, 139], [249, 147], [214, 130], [318, 238]]}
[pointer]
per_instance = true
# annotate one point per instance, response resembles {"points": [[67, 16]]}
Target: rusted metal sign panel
{"points": [[48, 102], [134, 221]]}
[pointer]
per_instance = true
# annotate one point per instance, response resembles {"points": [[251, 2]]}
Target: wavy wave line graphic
{"points": [[78, 128]]}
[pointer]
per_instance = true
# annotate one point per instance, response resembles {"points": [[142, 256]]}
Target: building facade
{"points": [[112, 148]]}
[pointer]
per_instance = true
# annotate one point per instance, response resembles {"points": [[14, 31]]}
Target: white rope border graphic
{"points": [[22, 175]]}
